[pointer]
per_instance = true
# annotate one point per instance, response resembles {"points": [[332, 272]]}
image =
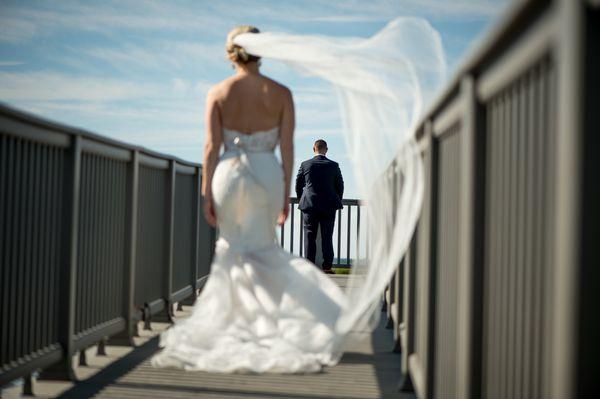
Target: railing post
{"points": [[197, 217], [126, 337], [408, 305], [563, 376], [431, 263], [469, 298], [196, 239], [63, 370], [170, 222]]}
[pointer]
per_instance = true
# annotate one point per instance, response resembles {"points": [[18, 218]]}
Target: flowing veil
{"points": [[381, 84]]}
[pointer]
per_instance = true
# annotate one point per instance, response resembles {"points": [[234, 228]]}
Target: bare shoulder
{"points": [[219, 91], [278, 88]]}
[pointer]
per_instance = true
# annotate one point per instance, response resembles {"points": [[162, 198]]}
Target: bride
{"points": [[262, 308]]}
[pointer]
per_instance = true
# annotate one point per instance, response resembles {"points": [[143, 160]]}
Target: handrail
{"points": [[49, 128]]}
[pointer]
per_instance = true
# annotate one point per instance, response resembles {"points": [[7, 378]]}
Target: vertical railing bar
{"points": [[348, 231], [522, 239], [292, 228], [513, 243], [32, 293], [121, 248], [488, 289], [549, 157], [93, 239], [96, 222], [170, 233], [367, 236], [102, 296], [528, 234], [90, 252], [85, 241], [47, 248], [58, 230], [96, 272], [129, 215], [502, 232], [82, 242], [147, 238], [339, 240], [138, 291], [72, 216], [114, 208], [197, 216], [101, 288], [496, 173], [24, 265], [29, 248], [301, 222], [64, 370], [7, 161], [537, 231], [36, 246], [3, 266], [108, 294], [358, 233], [431, 288], [573, 99], [14, 286], [283, 235]]}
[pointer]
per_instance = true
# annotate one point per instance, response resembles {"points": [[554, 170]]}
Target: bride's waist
{"points": [[250, 154]]}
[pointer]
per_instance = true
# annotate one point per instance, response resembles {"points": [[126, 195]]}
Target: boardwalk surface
{"points": [[368, 370]]}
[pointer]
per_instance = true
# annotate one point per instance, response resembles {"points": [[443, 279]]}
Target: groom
{"points": [[320, 187]]}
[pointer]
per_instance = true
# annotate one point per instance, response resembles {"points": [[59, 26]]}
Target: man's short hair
{"points": [[321, 145]]}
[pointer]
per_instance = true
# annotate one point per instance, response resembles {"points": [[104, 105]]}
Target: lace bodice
{"points": [[261, 141]]}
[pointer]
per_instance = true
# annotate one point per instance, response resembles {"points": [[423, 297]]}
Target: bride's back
{"points": [[250, 102]]}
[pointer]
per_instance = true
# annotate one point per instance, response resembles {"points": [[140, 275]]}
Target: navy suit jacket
{"points": [[319, 185]]}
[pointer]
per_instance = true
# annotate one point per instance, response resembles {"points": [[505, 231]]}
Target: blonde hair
{"points": [[237, 53]]}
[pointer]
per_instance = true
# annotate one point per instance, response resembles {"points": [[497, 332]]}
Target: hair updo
{"points": [[237, 53]]}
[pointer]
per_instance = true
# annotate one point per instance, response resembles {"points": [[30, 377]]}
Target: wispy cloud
{"points": [[10, 63], [42, 86], [108, 17], [138, 70]]}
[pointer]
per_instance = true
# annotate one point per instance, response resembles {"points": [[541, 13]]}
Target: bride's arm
{"points": [[286, 146], [212, 146]]}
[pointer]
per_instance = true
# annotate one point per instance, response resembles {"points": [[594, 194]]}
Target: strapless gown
{"points": [[262, 308]]}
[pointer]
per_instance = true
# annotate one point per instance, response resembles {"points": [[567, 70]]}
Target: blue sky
{"points": [[138, 71]]}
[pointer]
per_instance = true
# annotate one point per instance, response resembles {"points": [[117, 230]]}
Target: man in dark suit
{"points": [[320, 187]]}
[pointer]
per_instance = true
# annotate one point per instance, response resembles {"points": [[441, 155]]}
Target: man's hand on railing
{"points": [[209, 211]]}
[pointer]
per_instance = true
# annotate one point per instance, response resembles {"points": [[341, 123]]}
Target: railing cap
{"points": [[44, 123]]}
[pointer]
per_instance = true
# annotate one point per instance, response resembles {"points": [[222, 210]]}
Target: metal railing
{"points": [[497, 295], [94, 236], [347, 239]]}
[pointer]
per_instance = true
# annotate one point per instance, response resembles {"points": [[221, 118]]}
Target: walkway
{"points": [[370, 370]]}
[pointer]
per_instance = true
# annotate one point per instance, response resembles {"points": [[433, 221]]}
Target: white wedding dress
{"points": [[262, 308]]}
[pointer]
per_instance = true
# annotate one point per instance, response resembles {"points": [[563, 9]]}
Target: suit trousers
{"points": [[312, 221]]}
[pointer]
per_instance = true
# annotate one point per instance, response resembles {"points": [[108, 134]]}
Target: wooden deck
{"points": [[369, 370]]}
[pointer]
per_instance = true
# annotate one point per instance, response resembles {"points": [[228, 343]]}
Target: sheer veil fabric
{"points": [[264, 309], [382, 84]]}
